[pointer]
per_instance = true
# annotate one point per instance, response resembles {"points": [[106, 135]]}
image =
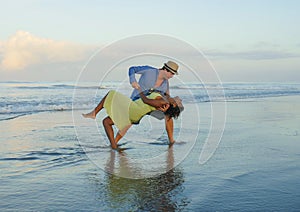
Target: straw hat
{"points": [[171, 66]]}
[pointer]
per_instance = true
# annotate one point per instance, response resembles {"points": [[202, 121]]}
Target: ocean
{"points": [[52, 159], [24, 98]]}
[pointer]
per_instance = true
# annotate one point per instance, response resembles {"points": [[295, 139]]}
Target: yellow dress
{"points": [[123, 111]]}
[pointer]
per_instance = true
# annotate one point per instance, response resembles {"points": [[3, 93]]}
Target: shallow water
{"points": [[45, 167]]}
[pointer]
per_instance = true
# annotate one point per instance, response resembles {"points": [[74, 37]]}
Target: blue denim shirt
{"points": [[147, 80]]}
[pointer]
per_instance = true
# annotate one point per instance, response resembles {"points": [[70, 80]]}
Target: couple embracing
{"points": [[151, 95]]}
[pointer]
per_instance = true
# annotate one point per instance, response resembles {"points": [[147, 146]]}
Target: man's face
{"points": [[168, 74]]}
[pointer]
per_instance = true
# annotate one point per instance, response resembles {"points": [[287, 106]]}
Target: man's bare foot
{"points": [[90, 115]]}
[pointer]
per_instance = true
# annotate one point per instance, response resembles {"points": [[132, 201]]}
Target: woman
{"points": [[123, 112]]}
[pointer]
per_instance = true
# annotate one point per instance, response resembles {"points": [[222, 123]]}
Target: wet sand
{"points": [[44, 166]]}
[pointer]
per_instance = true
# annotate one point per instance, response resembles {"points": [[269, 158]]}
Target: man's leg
{"points": [[169, 128]]}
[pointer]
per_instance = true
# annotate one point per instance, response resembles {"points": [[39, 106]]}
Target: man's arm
{"points": [[167, 94], [147, 78], [169, 129], [136, 70]]}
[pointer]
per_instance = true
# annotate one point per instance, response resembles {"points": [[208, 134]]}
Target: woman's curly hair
{"points": [[173, 112]]}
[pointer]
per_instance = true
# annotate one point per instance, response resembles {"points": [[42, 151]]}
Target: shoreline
{"points": [[256, 99], [44, 165]]}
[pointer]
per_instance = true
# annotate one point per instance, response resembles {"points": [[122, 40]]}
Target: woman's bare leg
{"points": [[97, 109], [121, 133], [118, 137], [107, 123]]}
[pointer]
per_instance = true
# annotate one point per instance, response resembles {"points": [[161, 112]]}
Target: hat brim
{"points": [[176, 73], [170, 69]]}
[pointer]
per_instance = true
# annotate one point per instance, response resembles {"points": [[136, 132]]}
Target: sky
{"points": [[244, 40]]}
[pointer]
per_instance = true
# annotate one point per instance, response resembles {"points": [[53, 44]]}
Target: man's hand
{"points": [[135, 85]]}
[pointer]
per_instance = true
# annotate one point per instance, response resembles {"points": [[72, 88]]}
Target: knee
{"points": [[106, 121]]}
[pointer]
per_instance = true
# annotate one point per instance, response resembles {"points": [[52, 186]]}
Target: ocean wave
{"points": [[63, 86], [45, 159], [4, 116], [20, 98], [184, 86]]}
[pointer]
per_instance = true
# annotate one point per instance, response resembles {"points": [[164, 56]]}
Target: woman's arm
{"points": [[158, 102]]}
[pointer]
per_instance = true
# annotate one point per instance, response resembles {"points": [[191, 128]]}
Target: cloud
{"points": [[265, 44], [252, 55], [24, 49]]}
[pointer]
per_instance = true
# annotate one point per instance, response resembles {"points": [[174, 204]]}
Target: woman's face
{"points": [[176, 101]]}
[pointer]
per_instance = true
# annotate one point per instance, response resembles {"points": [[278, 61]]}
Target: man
{"points": [[154, 79]]}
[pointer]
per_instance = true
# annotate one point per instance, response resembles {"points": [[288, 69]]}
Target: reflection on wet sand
{"points": [[160, 193]]}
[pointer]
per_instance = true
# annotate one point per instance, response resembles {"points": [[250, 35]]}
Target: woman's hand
{"points": [[164, 108]]}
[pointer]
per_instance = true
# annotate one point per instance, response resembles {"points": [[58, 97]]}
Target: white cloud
{"points": [[252, 55], [24, 49]]}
